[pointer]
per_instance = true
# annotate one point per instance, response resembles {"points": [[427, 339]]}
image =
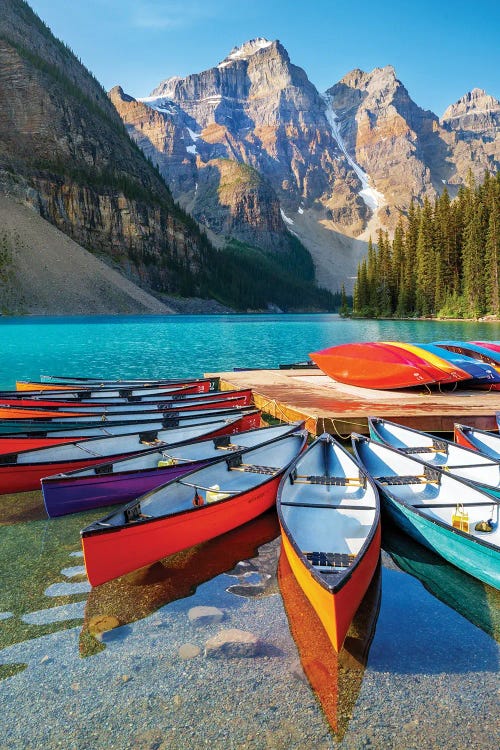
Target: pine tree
{"points": [[425, 289], [344, 307], [473, 261], [492, 256]]}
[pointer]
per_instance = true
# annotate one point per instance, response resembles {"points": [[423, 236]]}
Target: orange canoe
{"points": [[329, 513], [377, 365]]}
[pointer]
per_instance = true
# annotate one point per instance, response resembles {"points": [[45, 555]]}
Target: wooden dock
{"points": [[328, 406]]}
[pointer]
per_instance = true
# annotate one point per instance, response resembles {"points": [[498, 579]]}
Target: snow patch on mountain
{"points": [[245, 51], [160, 104], [372, 198]]}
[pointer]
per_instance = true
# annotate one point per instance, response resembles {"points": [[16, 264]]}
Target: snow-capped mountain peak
{"points": [[246, 50]]}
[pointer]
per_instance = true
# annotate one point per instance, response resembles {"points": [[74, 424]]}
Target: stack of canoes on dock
{"points": [[186, 463], [395, 364]]}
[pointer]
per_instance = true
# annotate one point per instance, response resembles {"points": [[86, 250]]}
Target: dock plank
{"points": [[328, 406]]}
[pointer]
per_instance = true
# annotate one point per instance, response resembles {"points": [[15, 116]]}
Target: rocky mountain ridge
{"points": [[339, 164]]}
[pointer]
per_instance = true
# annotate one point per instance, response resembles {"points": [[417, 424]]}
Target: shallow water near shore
{"points": [[420, 667]]}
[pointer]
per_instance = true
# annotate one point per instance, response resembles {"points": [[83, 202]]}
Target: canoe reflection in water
{"points": [[136, 595], [335, 678], [471, 598]]}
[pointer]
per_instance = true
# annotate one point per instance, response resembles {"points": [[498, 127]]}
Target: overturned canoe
{"points": [[376, 365], [442, 364], [436, 509], [123, 480], [483, 375], [189, 510], [329, 515]]}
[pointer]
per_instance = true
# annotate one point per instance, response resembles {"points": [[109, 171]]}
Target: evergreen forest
{"points": [[444, 259]]}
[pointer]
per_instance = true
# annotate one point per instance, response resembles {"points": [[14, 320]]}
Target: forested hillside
{"points": [[443, 261]]}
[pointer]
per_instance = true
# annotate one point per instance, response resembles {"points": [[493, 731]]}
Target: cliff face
{"points": [[64, 151], [388, 135]]}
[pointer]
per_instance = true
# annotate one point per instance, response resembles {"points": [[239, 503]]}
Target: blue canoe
{"points": [[482, 373]]}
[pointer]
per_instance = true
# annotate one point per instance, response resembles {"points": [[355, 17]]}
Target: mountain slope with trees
{"points": [[443, 261]]}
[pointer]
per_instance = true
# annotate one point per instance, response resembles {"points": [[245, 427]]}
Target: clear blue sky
{"points": [[440, 49]]}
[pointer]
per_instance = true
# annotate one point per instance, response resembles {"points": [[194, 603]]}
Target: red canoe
{"points": [[239, 400], [203, 385], [244, 419], [22, 471], [197, 507], [377, 365], [217, 400]]}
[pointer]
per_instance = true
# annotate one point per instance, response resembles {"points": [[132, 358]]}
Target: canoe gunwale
{"points": [[90, 531]]}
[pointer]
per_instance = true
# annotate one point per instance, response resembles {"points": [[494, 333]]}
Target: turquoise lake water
{"points": [[421, 667]]}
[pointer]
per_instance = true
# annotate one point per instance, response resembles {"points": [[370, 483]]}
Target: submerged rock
{"points": [[189, 651], [203, 615], [233, 643]]}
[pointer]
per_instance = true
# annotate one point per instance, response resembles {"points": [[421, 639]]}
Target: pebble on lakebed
{"points": [[188, 651], [203, 615], [233, 643], [102, 623]]}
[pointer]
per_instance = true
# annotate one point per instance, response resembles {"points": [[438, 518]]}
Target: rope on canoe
{"points": [[321, 421]]}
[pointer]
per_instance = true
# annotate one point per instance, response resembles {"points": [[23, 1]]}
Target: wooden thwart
{"points": [[329, 481]]}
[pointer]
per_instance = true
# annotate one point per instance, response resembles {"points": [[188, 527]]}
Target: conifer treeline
{"points": [[443, 261]]}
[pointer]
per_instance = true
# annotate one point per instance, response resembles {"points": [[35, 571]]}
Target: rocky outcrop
{"points": [[472, 130], [227, 196], [389, 136], [64, 151]]}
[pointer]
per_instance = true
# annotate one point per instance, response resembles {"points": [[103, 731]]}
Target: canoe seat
{"points": [[330, 559], [329, 481], [255, 469], [134, 514], [224, 443], [8, 458], [430, 476], [103, 469], [422, 449]]}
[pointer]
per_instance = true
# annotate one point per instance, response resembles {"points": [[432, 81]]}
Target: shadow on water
{"points": [[24, 506], [135, 596], [335, 678], [474, 600]]}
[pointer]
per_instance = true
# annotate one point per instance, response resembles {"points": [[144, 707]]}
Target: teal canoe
{"points": [[436, 509]]}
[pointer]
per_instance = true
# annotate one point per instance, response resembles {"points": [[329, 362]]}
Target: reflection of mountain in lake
{"points": [[335, 678], [474, 600], [136, 595]]}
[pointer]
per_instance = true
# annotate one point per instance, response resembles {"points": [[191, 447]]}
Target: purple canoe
{"points": [[122, 480]]}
